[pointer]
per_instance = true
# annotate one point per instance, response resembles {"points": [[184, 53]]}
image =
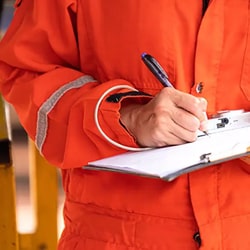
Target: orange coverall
{"points": [[58, 57]]}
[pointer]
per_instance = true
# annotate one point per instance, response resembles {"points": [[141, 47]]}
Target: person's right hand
{"points": [[172, 117]]}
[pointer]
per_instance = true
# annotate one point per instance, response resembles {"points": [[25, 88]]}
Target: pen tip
{"points": [[205, 132]]}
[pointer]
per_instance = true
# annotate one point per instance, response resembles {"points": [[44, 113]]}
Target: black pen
{"points": [[156, 69], [159, 73]]}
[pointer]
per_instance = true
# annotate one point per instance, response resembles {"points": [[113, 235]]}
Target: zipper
{"points": [[204, 6]]}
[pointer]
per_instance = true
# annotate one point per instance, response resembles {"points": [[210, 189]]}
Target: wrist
{"points": [[128, 116], [117, 135]]}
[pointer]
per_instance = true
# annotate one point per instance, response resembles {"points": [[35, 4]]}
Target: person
{"points": [[64, 61]]}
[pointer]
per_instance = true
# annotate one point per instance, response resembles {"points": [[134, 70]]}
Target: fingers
{"points": [[159, 131], [165, 126], [186, 120], [170, 118], [186, 115], [196, 106]]}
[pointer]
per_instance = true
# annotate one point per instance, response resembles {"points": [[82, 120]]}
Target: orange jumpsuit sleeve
{"points": [[41, 77]]}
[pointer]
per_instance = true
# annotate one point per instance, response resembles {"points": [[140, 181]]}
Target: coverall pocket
{"points": [[245, 79]]}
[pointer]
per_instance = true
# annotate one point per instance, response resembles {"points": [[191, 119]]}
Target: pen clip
{"points": [[205, 158]]}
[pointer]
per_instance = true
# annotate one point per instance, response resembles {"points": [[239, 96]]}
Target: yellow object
{"points": [[8, 234], [43, 187]]}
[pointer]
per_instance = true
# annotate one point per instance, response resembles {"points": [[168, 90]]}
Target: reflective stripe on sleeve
{"points": [[48, 105]]}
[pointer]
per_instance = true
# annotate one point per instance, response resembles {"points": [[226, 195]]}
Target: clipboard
{"points": [[176, 174], [230, 142]]}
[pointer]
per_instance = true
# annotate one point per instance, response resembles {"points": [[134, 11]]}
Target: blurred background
{"points": [[20, 154]]}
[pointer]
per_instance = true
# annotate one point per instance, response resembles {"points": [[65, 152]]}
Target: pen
{"points": [[159, 73], [156, 69]]}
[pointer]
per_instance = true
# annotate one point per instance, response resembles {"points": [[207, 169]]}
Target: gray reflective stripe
{"points": [[42, 116]]}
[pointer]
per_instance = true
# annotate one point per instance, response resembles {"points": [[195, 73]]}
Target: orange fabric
{"points": [[53, 43]]}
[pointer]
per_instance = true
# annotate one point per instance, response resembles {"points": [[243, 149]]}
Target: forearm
{"points": [[60, 117]]}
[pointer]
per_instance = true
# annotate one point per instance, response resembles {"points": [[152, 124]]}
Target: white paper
{"points": [[163, 161]]}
